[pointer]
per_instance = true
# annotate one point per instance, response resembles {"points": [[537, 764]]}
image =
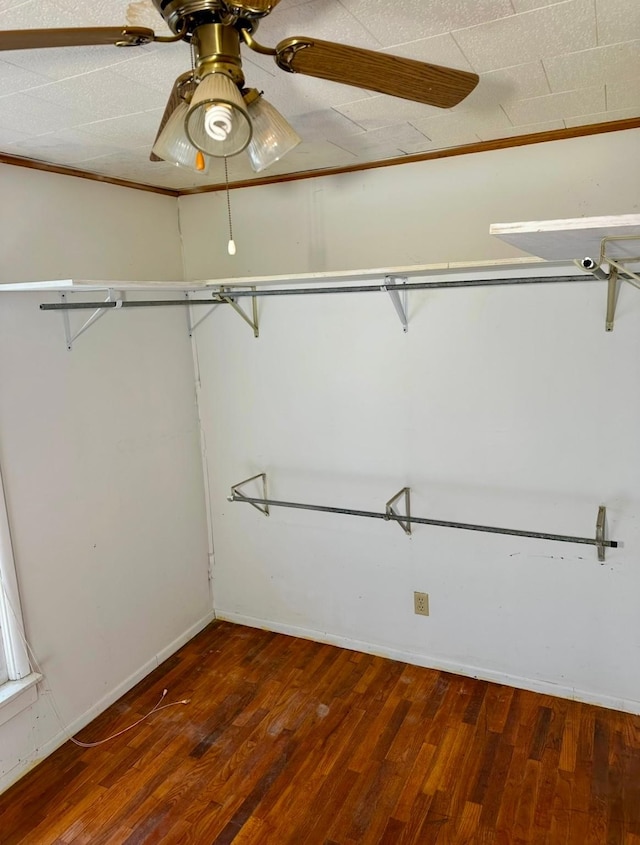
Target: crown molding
{"points": [[62, 170], [468, 149]]}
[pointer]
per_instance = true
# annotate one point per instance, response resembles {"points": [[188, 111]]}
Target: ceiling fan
{"points": [[211, 114]]}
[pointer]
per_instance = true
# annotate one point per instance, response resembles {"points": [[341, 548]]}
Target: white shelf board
{"points": [[572, 239], [451, 269], [84, 285], [525, 266]]}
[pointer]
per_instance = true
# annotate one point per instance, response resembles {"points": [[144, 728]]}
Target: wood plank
{"points": [[573, 238], [569, 747]]}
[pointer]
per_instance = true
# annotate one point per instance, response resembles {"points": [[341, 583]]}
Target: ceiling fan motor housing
{"points": [[217, 50], [186, 15]]}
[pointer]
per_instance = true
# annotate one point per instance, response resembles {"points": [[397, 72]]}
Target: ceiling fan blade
{"points": [[30, 39], [180, 87], [424, 83]]}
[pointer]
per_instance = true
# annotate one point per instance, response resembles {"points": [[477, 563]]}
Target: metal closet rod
{"points": [[223, 296], [466, 526], [406, 520]]}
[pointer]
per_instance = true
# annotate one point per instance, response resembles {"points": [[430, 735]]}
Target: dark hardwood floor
{"points": [[289, 742]]}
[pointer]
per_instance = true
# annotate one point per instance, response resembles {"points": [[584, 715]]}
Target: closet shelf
{"points": [[396, 286]]}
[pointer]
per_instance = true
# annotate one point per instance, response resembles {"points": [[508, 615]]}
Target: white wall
{"points": [[58, 227], [424, 213], [100, 455], [500, 406]]}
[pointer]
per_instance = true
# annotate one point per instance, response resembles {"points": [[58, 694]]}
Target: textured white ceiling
{"points": [[543, 65]]}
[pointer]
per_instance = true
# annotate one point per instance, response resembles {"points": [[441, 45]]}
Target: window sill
{"points": [[16, 695]]}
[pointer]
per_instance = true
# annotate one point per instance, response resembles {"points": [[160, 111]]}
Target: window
{"points": [[15, 672], [4, 675]]}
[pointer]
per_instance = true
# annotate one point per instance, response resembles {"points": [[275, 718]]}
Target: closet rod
{"points": [[466, 526], [223, 296]]}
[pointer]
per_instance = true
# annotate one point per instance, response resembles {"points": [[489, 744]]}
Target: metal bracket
{"points": [[191, 326], [237, 492], [393, 285], [112, 296], [601, 532], [618, 271], [619, 261], [613, 286], [222, 296], [226, 295], [391, 512]]}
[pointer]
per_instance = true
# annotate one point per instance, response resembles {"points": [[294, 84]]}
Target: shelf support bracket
{"points": [[618, 271], [613, 287], [223, 295], [394, 285], [619, 261], [601, 532], [238, 494], [112, 296], [191, 325], [392, 513], [226, 295]]}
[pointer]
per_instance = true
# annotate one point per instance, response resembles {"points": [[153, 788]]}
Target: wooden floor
{"points": [[289, 741]]}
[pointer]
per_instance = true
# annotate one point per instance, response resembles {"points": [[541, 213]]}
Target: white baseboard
{"points": [[16, 772], [382, 650]]}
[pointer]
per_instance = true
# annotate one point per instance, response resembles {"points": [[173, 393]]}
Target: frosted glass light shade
{"points": [[217, 121], [272, 137], [172, 144]]}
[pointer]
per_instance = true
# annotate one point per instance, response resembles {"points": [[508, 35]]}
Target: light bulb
{"points": [[231, 247], [218, 121]]}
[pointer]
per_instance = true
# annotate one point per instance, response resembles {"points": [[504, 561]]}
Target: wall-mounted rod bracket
{"points": [[395, 287], [620, 262], [601, 532], [611, 278], [113, 296], [618, 270], [237, 495], [613, 286], [191, 324], [225, 295], [392, 512]]}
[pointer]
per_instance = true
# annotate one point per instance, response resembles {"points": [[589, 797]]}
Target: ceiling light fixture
{"points": [[220, 118], [172, 144], [272, 137], [217, 122], [220, 121]]}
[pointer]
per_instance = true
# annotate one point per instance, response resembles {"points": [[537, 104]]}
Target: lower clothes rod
{"points": [[466, 526]]}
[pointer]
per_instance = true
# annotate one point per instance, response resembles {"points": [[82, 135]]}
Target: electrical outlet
{"points": [[421, 604]]}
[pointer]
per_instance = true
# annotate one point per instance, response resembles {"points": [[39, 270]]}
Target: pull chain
{"points": [[231, 246]]}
